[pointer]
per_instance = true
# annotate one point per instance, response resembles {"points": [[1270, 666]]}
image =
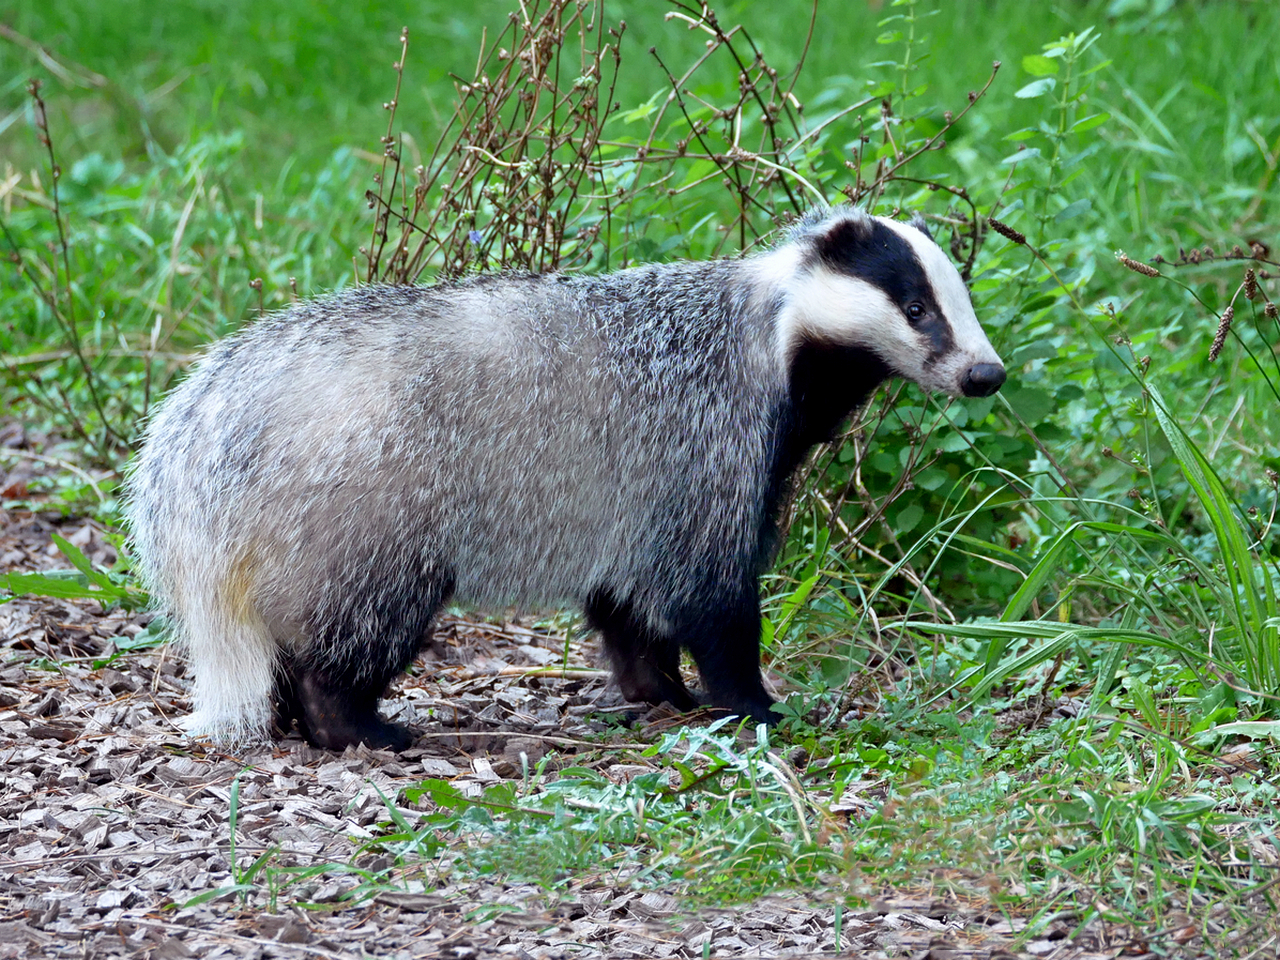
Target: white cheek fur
{"points": [[832, 307]]}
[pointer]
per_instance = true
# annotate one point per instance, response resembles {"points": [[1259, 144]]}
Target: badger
{"points": [[325, 480]]}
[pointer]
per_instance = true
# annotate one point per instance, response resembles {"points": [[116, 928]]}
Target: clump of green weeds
{"points": [[1152, 616], [718, 816]]}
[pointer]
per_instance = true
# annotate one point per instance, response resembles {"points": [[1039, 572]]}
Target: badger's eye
{"points": [[915, 311]]}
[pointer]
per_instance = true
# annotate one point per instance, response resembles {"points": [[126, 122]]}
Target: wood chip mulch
{"points": [[111, 822]]}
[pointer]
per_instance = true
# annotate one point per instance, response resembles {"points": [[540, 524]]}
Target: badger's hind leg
{"points": [[646, 662], [333, 715], [362, 638]]}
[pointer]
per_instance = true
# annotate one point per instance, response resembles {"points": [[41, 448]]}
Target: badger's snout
{"points": [[983, 379]]}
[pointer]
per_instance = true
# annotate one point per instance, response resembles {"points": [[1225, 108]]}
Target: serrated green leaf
{"points": [[1039, 66], [979, 408], [442, 793], [1032, 404], [1036, 88], [1083, 205], [1088, 123], [1255, 729]]}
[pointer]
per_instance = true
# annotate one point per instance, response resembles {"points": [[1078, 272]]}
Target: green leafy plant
{"points": [[82, 582], [725, 818]]}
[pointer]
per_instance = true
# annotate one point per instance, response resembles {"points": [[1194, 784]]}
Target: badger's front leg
{"points": [[722, 633], [645, 661], [723, 636]]}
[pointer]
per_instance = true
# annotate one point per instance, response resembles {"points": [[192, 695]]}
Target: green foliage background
{"points": [[1101, 530]]}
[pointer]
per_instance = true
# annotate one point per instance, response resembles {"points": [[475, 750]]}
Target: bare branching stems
{"points": [[524, 176], [504, 183], [58, 294], [390, 154]]}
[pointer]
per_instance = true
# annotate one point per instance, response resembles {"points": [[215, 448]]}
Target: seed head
{"points": [[1007, 231], [1250, 284], [1224, 327], [1271, 311], [1137, 266]]}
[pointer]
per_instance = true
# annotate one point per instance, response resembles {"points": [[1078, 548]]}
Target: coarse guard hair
{"points": [[325, 480]]}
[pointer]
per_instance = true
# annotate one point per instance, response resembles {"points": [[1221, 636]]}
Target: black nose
{"points": [[983, 379]]}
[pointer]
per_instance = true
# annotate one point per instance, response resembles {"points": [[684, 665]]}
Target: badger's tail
{"points": [[233, 659]]}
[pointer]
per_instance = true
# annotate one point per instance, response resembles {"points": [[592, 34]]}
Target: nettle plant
{"points": [[1171, 584]]}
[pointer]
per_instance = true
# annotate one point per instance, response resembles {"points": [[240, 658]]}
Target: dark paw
{"points": [[755, 710], [640, 683], [335, 721], [336, 732]]}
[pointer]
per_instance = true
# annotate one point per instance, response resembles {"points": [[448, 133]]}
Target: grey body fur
{"points": [[325, 479]]}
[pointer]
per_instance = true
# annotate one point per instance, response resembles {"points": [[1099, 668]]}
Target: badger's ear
{"points": [[843, 240], [922, 225]]}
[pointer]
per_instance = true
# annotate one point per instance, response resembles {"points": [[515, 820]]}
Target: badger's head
{"points": [[852, 280]]}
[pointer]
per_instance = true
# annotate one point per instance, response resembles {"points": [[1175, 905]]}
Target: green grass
{"points": [[1103, 530]]}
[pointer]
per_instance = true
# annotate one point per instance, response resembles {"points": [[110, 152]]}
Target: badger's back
{"points": [[533, 435]]}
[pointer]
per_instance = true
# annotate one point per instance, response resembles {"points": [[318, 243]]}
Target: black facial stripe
{"points": [[870, 251]]}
